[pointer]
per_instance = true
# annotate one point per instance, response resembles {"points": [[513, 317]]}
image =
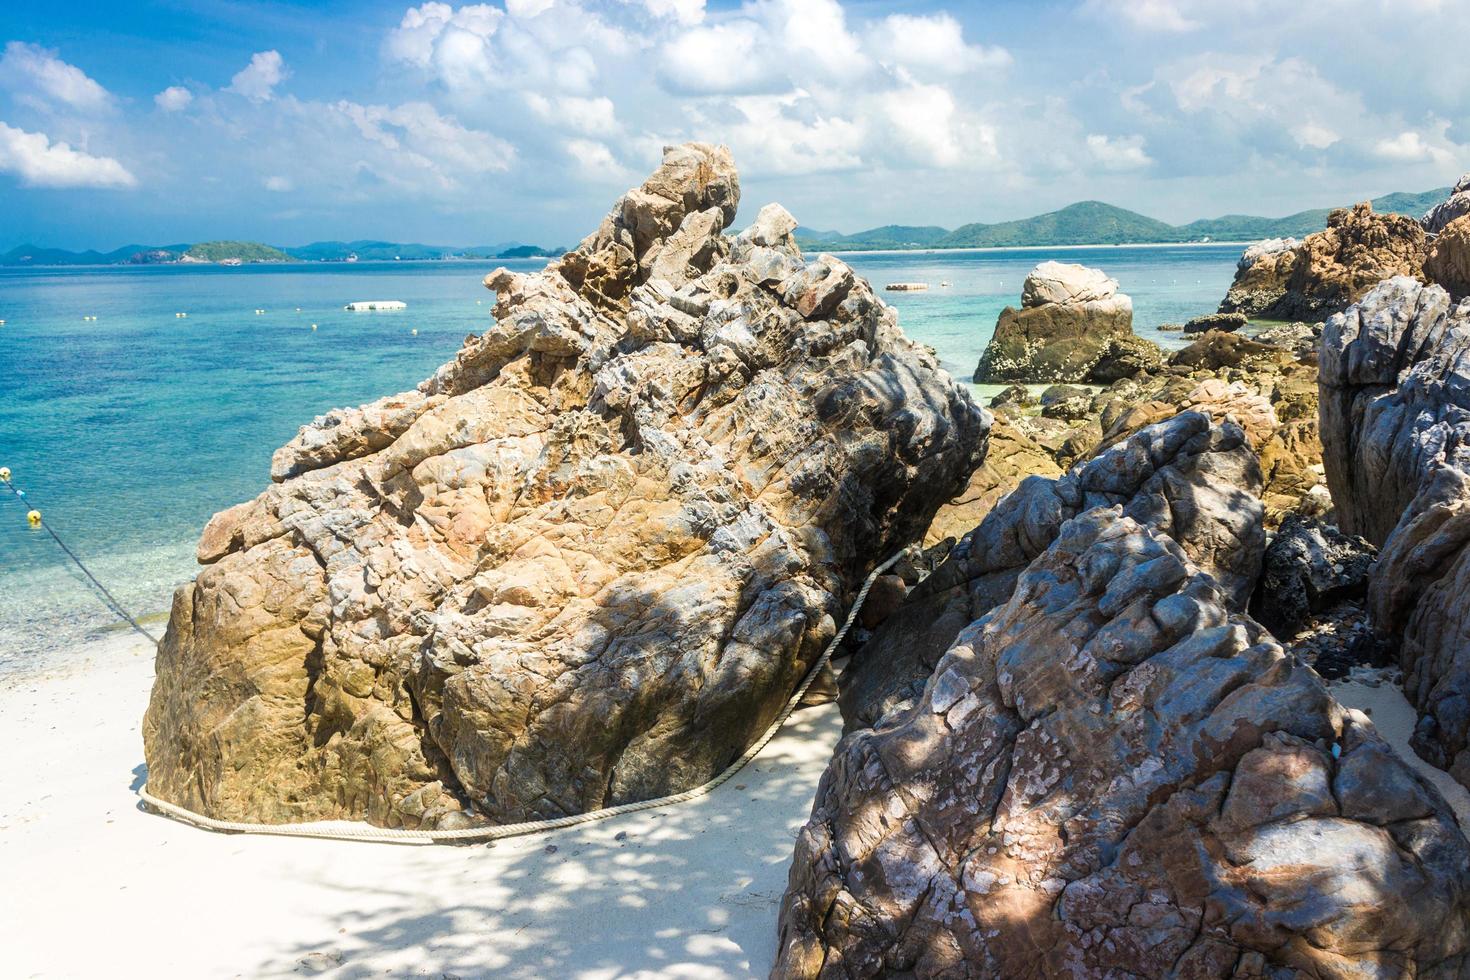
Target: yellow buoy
{"points": [[415, 331], [298, 309], [4, 474], [34, 517], [313, 326]]}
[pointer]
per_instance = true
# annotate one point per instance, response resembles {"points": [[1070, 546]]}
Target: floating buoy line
{"points": [[35, 519]]}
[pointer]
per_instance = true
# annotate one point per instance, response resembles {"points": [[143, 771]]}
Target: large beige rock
{"points": [[1011, 457], [1448, 263], [1186, 477], [1114, 775], [1327, 271], [1069, 317], [588, 560]]}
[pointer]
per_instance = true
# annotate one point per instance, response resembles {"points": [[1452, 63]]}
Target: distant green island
{"points": [[1097, 223], [1084, 223], [249, 253]]}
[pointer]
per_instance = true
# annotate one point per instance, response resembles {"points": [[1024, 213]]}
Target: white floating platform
{"points": [[376, 304], [906, 287]]}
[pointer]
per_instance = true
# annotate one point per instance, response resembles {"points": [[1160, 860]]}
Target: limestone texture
{"points": [[1186, 477], [588, 560], [1115, 774]]}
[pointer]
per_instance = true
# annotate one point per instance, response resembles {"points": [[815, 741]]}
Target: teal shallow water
{"points": [[131, 430]]}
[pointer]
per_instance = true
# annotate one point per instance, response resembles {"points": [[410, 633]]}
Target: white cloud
{"points": [[257, 81], [791, 135], [921, 119], [722, 58], [596, 117], [39, 162], [686, 12], [1165, 16], [40, 78], [1410, 147], [436, 145], [932, 45], [1118, 152], [173, 98], [595, 161], [279, 184], [1314, 136]]}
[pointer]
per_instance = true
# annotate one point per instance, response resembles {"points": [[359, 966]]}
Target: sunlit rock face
{"points": [[1114, 774], [1186, 477], [584, 563], [1328, 271]]}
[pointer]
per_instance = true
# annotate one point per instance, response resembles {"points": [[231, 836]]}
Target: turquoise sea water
{"points": [[130, 430]]}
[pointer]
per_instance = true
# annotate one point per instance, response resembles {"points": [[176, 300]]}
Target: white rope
{"points": [[343, 830]]}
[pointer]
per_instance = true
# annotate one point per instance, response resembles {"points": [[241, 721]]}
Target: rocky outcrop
{"points": [[1114, 774], [1395, 399], [1327, 271], [1456, 206], [1418, 602], [1308, 568], [1396, 430], [588, 560], [1448, 263], [1069, 316], [1188, 478]]}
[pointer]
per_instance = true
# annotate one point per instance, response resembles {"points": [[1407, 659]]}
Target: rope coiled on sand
{"points": [[343, 830]]}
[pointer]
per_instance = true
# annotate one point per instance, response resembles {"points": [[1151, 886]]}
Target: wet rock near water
{"points": [[1071, 319], [584, 563], [1224, 322]]}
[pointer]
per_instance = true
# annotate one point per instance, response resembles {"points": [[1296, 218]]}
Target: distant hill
{"points": [[1097, 223], [234, 252], [221, 251]]}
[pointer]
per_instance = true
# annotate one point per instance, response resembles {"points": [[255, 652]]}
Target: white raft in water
{"points": [[376, 304]]}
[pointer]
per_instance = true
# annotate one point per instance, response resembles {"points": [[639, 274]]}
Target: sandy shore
{"points": [[96, 887]]}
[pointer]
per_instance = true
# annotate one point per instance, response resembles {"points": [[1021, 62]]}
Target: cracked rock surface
{"points": [[1114, 775], [1187, 477], [588, 560]]}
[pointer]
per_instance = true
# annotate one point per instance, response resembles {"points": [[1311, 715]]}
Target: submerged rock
{"points": [[1069, 317], [1113, 774], [588, 560], [1225, 322], [1328, 271], [1186, 477]]}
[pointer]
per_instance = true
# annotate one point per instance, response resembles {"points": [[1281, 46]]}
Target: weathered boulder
{"points": [[1126, 356], [1419, 600], [1114, 775], [1396, 434], [588, 560], [1301, 339], [1330, 270], [1226, 322], [1068, 315], [1010, 458], [1437, 218], [1448, 263], [1308, 567], [1395, 399], [1186, 477]]}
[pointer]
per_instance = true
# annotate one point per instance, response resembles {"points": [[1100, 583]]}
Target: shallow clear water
{"points": [[129, 431]]}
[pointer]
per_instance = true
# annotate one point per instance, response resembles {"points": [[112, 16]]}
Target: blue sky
{"points": [[159, 122]]}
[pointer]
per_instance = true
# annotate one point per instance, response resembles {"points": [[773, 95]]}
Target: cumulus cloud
{"points": [[279, 184], [173, 98], [686, 12], [1118, 152], [257, 81], [41, 79], [594, 116], [1410, 147], [1167, 16], [930, 45], [39, 162]]}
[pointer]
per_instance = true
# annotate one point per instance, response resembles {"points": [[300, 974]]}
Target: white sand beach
{"points": [[97, 887]]}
